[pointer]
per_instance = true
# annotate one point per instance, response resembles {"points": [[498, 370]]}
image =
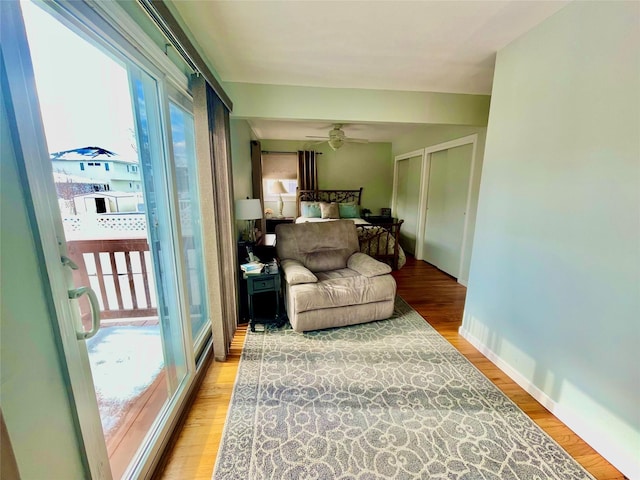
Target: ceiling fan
{"points": [[337, 137]]}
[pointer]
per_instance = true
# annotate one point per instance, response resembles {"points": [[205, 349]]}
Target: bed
{"points": [[380, 241]]}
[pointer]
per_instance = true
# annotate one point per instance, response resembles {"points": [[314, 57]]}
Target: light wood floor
{"points": [[437, 297]]}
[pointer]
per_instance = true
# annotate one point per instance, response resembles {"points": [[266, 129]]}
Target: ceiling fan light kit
{"points": [[336, 143], [336, 137]]}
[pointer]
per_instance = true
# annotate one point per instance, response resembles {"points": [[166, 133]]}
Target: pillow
{"points": [[310, 209], [348, 210], [329, 210]]}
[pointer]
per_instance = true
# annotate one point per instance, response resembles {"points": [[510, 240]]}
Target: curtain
{"points": [[307, 170], [219, 116], [218, 222], [256, 178]]}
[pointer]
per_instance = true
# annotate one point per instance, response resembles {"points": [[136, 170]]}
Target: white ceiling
{"points": [[436, 46]]}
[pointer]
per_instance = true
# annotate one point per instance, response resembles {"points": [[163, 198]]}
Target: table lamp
{"points": [[278, 189], [249, 209]]}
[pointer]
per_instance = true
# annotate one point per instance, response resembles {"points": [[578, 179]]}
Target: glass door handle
{"points": [[95, 310]]}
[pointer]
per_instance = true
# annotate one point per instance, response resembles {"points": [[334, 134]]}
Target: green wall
{"points": [[352, 105], [33, 390], [428, 135], [554, 294], [241, 158], [356, 165]]}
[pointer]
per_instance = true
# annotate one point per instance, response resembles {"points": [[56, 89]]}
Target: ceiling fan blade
{"points": [[310, 144], [321, 138]]}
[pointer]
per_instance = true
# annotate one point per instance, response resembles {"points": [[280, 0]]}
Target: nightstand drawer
{"points": [[262, 284]]}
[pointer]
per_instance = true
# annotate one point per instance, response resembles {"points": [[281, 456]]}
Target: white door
{"points": [[407, 203], [449, 175], [139, 303]]}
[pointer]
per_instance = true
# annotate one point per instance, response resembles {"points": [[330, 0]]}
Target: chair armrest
{"points": [[296, 273], [367, 266]]}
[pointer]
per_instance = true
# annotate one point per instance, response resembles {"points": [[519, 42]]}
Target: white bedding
{"points": [[357, 221]]}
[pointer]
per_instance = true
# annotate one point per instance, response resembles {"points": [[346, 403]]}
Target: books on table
{"points": [[252, 268]]}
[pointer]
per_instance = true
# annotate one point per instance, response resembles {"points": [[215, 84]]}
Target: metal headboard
{"points": [[338, 196]]}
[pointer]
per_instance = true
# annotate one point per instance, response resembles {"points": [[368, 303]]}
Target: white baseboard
{"points": [[611, 450]]}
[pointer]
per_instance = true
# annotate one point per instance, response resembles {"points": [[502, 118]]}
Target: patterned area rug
{"points": [[384, 400]]}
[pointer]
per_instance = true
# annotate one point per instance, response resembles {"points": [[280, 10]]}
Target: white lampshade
{"points": [[278, 188], [248, 209]]}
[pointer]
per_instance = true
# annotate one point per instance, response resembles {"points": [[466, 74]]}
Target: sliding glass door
{"points": [[114, 186], [186, 175]]}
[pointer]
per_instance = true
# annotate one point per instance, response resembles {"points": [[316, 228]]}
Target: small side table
{"points": [[264, 282]]}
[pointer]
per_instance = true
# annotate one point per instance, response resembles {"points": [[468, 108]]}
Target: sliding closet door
{"points": [[408, 175], [449, 174]]}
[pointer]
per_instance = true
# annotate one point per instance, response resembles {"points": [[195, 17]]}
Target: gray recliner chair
{"points": [[328, 282]]}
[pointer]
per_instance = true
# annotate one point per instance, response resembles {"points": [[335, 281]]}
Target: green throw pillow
{"points": [[310, 210], [348, 210]]}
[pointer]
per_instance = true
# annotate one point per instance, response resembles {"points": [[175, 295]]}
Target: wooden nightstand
{"points": [[273, 222], [262, 283], [380, 220]]}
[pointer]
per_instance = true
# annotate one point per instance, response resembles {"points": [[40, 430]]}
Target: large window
{"points": [[279, 177], [268, 185]]}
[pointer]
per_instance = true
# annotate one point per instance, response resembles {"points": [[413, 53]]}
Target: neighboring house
{"points": [[99, 166], [68, 186], [109, 202]]}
